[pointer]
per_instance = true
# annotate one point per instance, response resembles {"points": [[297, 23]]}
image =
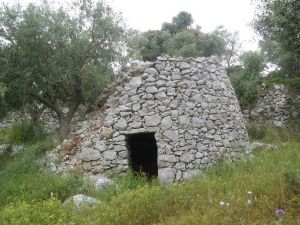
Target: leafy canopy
{"points": [[277, 21], [246, 79], [179, 38], [59, 57]]}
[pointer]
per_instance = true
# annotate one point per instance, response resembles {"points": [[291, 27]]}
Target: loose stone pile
{"points": [[189, 104]]}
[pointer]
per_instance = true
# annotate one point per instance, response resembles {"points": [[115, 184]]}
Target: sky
{"points": [[235, 15]]}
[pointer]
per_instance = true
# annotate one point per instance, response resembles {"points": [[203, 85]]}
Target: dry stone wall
{"points": [[272, 107], [48, 118], [189, 105]]}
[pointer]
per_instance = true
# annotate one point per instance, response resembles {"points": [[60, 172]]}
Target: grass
{"points": [[25, 132], [21, 178], [274, 135], [273, 178]]}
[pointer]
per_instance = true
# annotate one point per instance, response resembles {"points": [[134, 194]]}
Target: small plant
{"points": [[256, 132], [279, 213], [26, 132]]}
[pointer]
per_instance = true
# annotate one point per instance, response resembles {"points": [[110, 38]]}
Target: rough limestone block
{"points": [[89, 154], [166, 175], [152, 120]]}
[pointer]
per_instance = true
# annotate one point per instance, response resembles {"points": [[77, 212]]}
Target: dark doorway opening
{"points": [[143, 153]]}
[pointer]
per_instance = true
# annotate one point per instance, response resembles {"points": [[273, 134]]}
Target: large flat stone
{"points": [[166, 175], [187, 157], [172, 135], [135, 82], [89, 154], [166, 123], [110, 155], [121, 124], [153, 120], [81, 200], [184, 121]]}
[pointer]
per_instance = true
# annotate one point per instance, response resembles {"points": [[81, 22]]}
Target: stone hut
{"points": [[170, 119]]}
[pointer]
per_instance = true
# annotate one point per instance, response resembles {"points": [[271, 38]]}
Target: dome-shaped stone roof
{"points": [[190, 109], [170, 119]]}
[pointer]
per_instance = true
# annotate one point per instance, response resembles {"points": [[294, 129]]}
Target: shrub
{"points": [[26, 132]]}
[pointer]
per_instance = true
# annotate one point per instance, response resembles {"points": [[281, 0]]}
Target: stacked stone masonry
{"points": [[272, 106], [189, 105]]}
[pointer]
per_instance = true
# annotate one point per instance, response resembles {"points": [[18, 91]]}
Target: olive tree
{"points": [[59, 57], [277, 22], [247, 78]]}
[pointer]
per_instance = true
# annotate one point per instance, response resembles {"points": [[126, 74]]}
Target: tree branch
{"points": [[46, 102]]}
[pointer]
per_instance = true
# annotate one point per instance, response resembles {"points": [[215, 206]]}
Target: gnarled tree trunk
{"points": [[64, 125]]}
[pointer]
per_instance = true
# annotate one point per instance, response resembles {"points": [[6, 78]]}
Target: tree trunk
{"points": [[64, 126], [36, 113], [63, 118]]}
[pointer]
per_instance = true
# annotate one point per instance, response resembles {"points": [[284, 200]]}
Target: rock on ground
{"points": [[81, 200]]}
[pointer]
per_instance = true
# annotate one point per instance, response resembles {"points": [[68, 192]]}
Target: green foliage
{"points": [[185, 43], [179, 23], [169, 27], [26, 132], [246, 80], [57, 57], [231, 50], [23, 179], [292, 181], [277, 21], [48, 212], [293, 83], [213, 44], [151, 44], [127, 182], [180, 39], [253, 62], [272, 178], [182, 21], [270, 134], [256, 132], [5, 158]]}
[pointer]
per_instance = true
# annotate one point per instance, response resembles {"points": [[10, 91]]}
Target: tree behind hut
{"points": [[58, 57]]}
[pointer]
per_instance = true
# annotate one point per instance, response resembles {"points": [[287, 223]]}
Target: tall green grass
{"points": [[26, 132], [23, 179], [273, 179], [270, 134]]}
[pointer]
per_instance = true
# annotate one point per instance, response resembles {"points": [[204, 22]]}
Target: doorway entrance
{"points": [[143, 153]]}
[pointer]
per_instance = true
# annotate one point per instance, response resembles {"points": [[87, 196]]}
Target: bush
{"points": [[26, 132]]}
